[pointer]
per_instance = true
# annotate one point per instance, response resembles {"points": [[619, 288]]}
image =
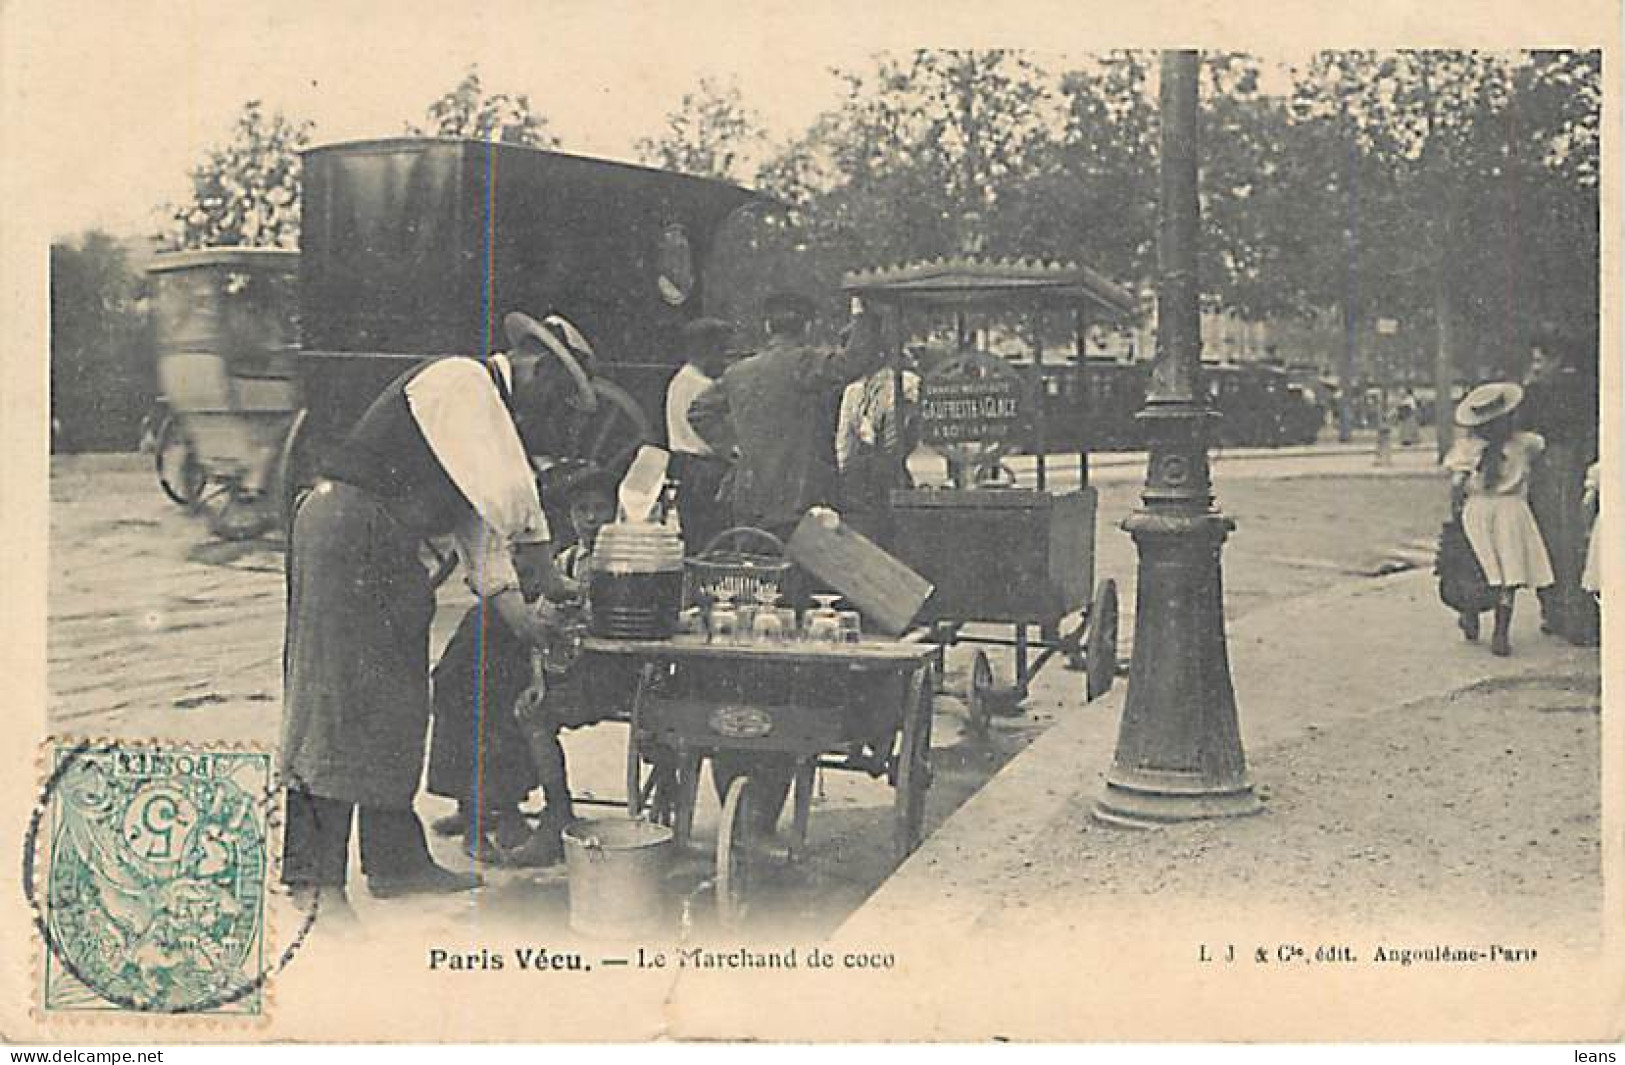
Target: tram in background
{"points": [[1260, 404]]}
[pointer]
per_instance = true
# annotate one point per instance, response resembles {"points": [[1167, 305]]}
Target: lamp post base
{"points": [[1179, 754], [1151, 798]]}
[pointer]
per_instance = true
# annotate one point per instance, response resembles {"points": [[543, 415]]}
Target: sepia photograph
{"points": [[547, 522]]}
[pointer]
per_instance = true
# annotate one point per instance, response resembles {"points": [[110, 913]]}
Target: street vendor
{"points": [[697, 467], [873, 439], [771, 407], [442, 451]]}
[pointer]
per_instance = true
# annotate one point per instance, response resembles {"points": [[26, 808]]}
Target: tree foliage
{"points": [[469, 111], [246, 192], [711, 133], [102, 374]]}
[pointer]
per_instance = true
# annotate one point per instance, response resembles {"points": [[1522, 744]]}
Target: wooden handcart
{"points": [[999, 552], [796, 706]]}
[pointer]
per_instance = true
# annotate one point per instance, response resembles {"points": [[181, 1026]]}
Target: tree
{"points": [[102, 370], [710, 134], [247, 192], [468, 112], [927, 154], [1466, 163]]}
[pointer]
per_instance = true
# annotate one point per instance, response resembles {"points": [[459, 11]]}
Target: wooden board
{"points": [[887, 592], [880, 653]]}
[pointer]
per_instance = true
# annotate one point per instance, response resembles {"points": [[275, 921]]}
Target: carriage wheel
{"points": [[180, 474], [913, 777], [610, 437], [233, 514], [734, 854], [977, 702], [295, 472], [1101, 649]]}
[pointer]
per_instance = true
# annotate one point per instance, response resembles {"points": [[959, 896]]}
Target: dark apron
{"points": [[356, 652]]}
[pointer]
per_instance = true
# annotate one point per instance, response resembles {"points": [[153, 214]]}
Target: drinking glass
{"points": [[724, 618], [851, 626]]}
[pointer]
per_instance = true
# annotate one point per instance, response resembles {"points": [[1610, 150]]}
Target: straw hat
{"points": [[556, 335], [1488, 402]]}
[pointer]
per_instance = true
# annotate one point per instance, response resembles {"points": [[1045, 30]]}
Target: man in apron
{"points": [[442, 451]]}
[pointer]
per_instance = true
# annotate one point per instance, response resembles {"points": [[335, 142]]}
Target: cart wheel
{"points": [[977, 702], [180, 474], [295, 472], [734, 855], [233, 514], [914, 769], [1101, 649], [612, 435]]}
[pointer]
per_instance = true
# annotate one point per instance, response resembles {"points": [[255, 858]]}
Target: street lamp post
{"points": [[1179, 754]]}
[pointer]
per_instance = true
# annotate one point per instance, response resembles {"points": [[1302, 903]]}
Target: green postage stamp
{"points": [[151, 894]]}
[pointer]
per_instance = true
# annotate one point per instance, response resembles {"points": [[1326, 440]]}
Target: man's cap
{"points": [[705, 332], [784, 304], [590, 479]]}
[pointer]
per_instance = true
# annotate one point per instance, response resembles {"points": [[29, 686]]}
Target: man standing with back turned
{"points": [[774, 408]]}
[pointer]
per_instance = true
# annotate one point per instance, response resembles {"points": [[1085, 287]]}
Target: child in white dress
{"points": [[1490, 471]]}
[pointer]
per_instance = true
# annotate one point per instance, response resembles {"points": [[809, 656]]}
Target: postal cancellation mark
{"points": [[151, 895]]}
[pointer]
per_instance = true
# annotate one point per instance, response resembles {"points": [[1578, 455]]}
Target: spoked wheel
{"points": [[295, 472], [180, 474], [1101, 644], [913, 768], [610, 437], [734, 854], [978, 705], [233, 514]]}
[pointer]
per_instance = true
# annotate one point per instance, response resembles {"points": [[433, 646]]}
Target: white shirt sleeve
{"points": [[846, 431], [456, 406], [685, 386], [487, 562]]}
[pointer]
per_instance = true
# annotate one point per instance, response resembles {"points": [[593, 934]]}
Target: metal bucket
{"points": [[617, 868]]}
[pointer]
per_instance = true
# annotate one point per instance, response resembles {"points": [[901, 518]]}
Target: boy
{"points": [[557, 697], [477, 753]]}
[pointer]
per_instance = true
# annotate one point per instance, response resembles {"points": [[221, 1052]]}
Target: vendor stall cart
{"points": [[998, 551], [797, 705]]}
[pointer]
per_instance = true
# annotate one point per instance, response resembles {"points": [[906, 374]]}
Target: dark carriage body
{"points": [[416, 248]]}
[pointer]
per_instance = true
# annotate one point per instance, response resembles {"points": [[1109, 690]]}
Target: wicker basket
{"points": [[744, 563]]}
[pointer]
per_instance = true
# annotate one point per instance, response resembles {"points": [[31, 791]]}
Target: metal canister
{"points": [[635, 584]]}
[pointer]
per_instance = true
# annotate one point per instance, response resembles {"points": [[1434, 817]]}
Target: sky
{"points": [[122, 97], [108, 103], [127, 96]]}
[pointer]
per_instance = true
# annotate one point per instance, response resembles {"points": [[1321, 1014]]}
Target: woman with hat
{"points": [[1489, 469], [442, 451]]}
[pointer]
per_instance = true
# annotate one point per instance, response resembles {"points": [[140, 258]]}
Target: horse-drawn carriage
{"points": [[413, 249]]}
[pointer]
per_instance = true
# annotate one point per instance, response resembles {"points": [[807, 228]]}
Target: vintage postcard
{"points": [[544, 522]]}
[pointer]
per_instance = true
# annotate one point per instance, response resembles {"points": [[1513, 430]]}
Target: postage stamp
{"points": [[151, 896]]}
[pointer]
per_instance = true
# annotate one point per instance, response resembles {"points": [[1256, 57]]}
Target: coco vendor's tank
{"points": [[635, 585]]}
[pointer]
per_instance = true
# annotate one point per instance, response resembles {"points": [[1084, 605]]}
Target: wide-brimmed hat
{"points": [[557, 336], [1488, 402]]}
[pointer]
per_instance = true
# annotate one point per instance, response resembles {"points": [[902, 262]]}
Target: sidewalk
{"points": [[1341, 663]]}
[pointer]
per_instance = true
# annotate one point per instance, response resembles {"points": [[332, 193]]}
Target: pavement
{"points": [[1341, 661]]}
